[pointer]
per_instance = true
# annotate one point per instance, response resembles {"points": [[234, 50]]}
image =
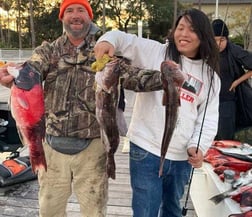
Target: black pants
{"points": [[226, 126]]}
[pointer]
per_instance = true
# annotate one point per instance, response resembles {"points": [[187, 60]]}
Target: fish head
{"points": [[25, 76], [171, 70]]}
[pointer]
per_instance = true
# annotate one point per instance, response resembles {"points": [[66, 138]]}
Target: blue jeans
{"points": [[153, 196]]}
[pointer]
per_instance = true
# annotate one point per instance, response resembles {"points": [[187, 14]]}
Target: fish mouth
{"points": [[27, 77], [23, 84]]}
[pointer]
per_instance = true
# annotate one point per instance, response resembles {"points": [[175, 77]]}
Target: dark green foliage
{"points": [[239, 40], [161, 18], [47, 26]]}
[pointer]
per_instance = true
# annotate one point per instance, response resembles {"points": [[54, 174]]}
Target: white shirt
{"points": [[148, 118]]}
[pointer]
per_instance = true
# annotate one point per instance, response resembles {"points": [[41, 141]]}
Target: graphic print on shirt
{"points": [[190, 88]]}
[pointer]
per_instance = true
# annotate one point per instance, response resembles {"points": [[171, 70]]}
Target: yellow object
{"points": [[2, 63], [99, 64]]}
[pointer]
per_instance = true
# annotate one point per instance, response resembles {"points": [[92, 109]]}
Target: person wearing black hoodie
{"points": [[234, 62]]}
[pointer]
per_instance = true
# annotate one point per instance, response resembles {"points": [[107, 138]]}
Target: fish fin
{"points": [[20, 135], [111, 167], [13, 70], [164, 99], [38, 163], [161, 166], [219, 197], [22, 101]]}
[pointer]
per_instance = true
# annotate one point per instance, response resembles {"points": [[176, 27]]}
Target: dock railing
{"points": [[14, 55]]}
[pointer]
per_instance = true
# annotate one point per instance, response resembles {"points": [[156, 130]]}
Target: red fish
{"points": [[227, 143], [27, 108], [216, 159], [247, 214], [246, 201]]}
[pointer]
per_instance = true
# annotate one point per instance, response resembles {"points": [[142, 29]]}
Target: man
{"points": [[233, 60], [76, 159]]}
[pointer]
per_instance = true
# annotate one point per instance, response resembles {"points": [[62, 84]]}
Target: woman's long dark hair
{"points": [[208, 49]]}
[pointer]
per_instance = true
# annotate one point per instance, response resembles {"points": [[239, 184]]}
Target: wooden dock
{"points": [[22, 200]]}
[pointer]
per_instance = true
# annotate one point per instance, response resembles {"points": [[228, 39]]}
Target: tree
{"points": [[239, 27], [33, 40], [6, 5], [47, 25], [19, 24], [38, 20], [250, 32], [121, 13], [160, 18]]}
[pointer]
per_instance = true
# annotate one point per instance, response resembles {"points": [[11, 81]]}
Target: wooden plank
{"points": [[22, 200]]}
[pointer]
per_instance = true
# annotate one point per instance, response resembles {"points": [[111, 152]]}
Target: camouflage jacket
{"points": [[68, 87]]}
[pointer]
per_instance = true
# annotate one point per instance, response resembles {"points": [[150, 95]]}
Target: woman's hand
{"points": [[195, 159], [102, 48]]}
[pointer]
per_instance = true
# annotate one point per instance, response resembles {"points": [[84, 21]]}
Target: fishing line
{"points": [[184, 210]]}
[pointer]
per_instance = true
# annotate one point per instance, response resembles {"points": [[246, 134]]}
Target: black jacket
{"points": [[241, 60]]}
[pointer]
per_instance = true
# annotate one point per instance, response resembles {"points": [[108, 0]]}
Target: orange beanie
{"points": [[66, 3]]}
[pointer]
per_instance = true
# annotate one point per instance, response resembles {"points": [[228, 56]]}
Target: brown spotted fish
{"points": [[107, 93], [172, 79]]}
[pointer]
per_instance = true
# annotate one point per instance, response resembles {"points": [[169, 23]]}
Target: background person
{"points": [[233, 60]]}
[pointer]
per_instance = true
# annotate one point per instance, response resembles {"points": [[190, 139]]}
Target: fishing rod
{"points": [[185, 209]]}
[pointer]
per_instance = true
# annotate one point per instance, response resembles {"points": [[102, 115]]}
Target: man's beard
{"points": [[81, 33]]}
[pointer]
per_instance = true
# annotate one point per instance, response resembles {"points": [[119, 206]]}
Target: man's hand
{"points": [[5, 78], [102, 48]]}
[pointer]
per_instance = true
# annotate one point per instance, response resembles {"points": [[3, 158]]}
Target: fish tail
{"points": [[162, 160], [38, 163], [165, 99], [111, 167], [218, 198]]}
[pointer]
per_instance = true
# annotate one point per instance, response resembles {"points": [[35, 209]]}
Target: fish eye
{"points": [[31, 74]]}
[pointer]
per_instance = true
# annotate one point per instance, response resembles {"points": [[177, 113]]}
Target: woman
{"points": [[192, 45]]}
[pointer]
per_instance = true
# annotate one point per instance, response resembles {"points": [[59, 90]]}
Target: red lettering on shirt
{"points": [[187, 97]]}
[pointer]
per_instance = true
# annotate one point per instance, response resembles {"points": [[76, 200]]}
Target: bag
{"points": [[67, 145], [16, 170], [244, 105]]}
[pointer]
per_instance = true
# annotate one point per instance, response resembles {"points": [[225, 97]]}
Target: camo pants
{"points": [[84, 174]]}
